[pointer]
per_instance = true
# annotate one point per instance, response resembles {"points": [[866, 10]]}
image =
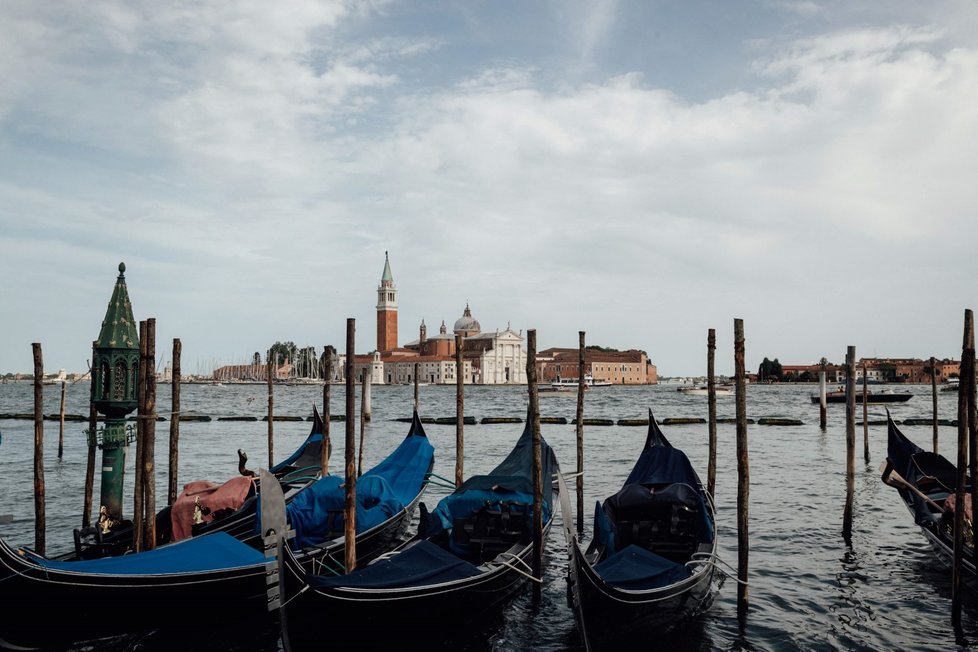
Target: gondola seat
{"points": [[492, 529], [669, 521]]}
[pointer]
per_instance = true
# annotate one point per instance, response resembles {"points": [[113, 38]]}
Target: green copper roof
{"points": [[118, 328], [387, 270]]}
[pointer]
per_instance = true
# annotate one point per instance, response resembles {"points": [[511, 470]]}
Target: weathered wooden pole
{"points": [[149, 441], [350, 507], [271, 414], [743, 468], [711, 399], [328, 378], [865, 415], [822, 401], [531, 379], [61, 428], [138, 510], [40, 521], [459, 413], [966, 382], [581, 388], [417, 394], [933, 395], [850, 441], [364, 391], [366, 408], [174, 464], [90, 466], [973, 441]]}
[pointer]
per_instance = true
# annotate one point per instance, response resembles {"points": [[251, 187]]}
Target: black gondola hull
{"points": [[458, 611], [610, 617]]}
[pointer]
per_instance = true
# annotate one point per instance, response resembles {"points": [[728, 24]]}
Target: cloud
{"points": [[253, 159]]}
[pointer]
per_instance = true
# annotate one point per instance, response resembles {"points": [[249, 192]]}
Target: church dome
{"points": [[466, 324]]}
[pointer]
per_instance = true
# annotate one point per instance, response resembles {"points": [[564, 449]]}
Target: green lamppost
{"points": [[115, 368]]}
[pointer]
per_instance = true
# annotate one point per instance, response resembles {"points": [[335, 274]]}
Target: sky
{"points": [[643, 171]]}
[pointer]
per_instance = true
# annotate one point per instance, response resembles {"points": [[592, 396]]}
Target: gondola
{"points": [[471, 555], [925, 481], [650, 565], [211, 582], [235, 503]]}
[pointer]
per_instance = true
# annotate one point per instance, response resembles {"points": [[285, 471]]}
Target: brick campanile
{"points": [[386, 310]]}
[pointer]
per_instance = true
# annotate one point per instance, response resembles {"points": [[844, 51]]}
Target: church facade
{"points": [[493, 358]]}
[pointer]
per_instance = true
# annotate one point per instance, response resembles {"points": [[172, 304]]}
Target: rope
{"points": [[518, 570], [444, 482], [727, 570], [322, 564], [297, 594]]}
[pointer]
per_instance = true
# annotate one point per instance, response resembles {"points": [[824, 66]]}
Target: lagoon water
{"points": [[808, 589]]}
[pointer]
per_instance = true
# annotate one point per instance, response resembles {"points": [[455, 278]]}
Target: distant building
{"points": [[631, 367]]}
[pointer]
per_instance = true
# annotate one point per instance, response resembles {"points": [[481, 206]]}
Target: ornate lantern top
{"points": [[115, 358], [118, 328]]}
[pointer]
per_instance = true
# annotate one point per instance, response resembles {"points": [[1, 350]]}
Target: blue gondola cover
{"points": [[638, 569], [423, 564], [316, 513], [205, 553]]}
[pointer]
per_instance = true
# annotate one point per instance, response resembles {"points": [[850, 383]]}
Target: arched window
{"points": [[106, 380], [119, 381]]}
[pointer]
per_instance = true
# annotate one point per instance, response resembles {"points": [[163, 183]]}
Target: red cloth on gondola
{"points": [[949, 504], [213, 498]]}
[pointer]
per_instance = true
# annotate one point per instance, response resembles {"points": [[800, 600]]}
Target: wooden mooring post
{"points": [[711, 399], [138, 503], [579, 430], [965, 399], [271, 412], [933, 396], [327, 378], [743, 469], [149, 441], [174, 463], [417, 394], [850, 441], [350, 481], [534, 414], [61, 427], [90, 466], [865, 415], [459, 412], [364, 399], [822, 400], [40, 521]]}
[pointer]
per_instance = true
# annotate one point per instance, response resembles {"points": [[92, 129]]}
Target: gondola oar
{"points": [[889, 474]]}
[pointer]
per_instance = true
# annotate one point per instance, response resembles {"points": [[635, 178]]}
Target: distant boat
{"points": [[703, 390], [951, 385], [62, 377], [885, 396], [556, 391], [571, 383]]}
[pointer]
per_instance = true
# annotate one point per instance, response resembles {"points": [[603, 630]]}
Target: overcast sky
{"points": [[643, 171]]}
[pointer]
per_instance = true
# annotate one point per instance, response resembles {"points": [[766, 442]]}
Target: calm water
{"points": [[808, 589]]}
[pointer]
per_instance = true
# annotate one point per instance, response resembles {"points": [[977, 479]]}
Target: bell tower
{"points": [[386, 309]]}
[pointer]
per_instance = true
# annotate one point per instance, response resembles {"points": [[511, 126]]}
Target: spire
{"points": [[387, 276], [118, 327]]}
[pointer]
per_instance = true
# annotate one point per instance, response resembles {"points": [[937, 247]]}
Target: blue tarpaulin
{"points": [[637, 569], [316, 513], [209, 552], [423, 564]]}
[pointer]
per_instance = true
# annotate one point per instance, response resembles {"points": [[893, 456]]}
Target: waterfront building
{"points": [[631, 367]]}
